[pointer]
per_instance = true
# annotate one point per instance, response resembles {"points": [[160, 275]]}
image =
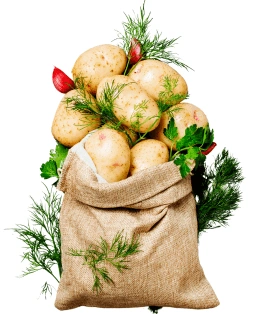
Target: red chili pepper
{"points": [[209, 149], [135, 52], [61, 81]]}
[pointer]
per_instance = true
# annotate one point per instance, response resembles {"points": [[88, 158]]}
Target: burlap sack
{"points": [[155, 203]]}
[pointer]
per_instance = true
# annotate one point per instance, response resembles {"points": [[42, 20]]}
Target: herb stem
{"points": [[127, 67]]}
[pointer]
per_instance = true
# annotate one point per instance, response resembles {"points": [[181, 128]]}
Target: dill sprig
{"points": [[217, 191], [151, 48], [106, 102], [97, 256], [41, 238], [138, 119], [84, 103], [167, 97]]}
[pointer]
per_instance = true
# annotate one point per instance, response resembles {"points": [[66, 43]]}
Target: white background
{"points": [[220, 40]]}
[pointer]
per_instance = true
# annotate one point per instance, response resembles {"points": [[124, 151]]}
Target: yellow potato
{"points": [[68, 125], [185, 115], [98, 62], [110, 153], [129, 135], [150, 75], [132, 106], [148, 153]]}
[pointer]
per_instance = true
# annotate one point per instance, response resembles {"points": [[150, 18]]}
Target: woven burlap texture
{"points": [[157, 204]]}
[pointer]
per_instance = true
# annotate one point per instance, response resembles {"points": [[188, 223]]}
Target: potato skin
{"points": [[98, 62], [128, 134], [148, 153], [66, 127], [186, 115], [110, 153], [150, 74], [133, 106]]}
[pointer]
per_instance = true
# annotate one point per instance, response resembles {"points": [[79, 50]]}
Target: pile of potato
{"points": [[136, 107]]}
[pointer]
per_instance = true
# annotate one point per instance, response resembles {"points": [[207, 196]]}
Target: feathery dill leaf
{"points": [[217, 191], [47, 289], [97, 256], [41, 237], [152, 47], [84, 103], [167, 97], [106, 102], [138, 118]]}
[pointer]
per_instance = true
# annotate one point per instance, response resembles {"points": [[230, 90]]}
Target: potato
{"points": [[150, 74], [148, 153], [98, 62], [68, 125], [185, 115], [110, 153], [133, 107], [128, 134]]}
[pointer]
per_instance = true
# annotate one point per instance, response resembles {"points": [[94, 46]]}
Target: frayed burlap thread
{"points": [[157, 204]]}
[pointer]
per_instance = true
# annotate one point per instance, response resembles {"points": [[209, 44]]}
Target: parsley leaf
{"points": [[56, 160], [181, 161], [192, 153], [208, 137], [171, 132], [59, 154], [189, 148], [193, 136], [49, 169]]}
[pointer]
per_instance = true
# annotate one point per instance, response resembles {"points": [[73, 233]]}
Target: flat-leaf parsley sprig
{"points": [[51, 168], [190, 147]]}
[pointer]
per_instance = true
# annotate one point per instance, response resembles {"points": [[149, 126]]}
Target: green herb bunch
{"points": [[41, 238], [167, 98], [190, 147], [84, 103], [97, 256], [217, 191], [152, 47]]}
